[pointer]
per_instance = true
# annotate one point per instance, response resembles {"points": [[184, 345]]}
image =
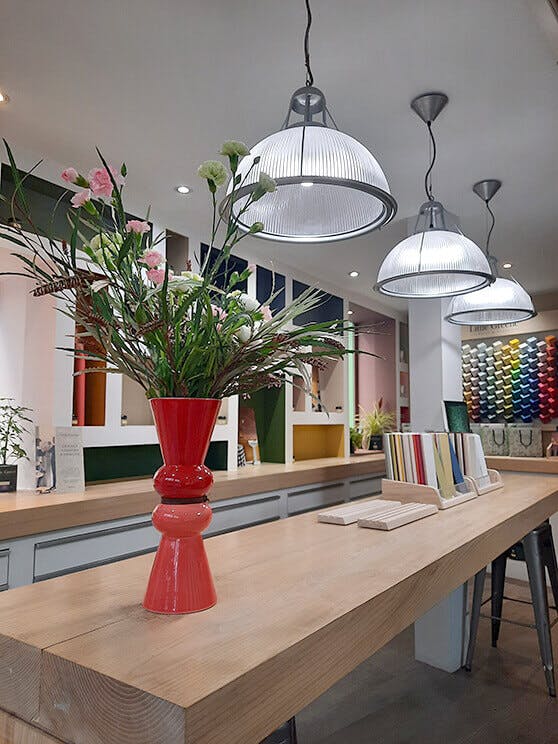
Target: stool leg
{"points": [[475, 616], [498, 579], [292, 731], [535, 568], [549, 553]]}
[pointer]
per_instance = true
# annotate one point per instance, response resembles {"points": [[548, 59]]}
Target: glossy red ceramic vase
{"points": [[180, 579]]}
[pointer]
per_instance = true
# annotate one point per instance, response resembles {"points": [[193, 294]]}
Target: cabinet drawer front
{"points": [[67, 554], [314, 498], [4, 565], [365, 487], [228, 517]]}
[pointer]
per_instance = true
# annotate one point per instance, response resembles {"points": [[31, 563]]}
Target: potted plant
{"points": [[375, 424], [188, 339], [12, 429], [355, 439]]}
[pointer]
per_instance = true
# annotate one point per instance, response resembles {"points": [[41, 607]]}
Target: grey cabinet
{"points": [[39, 557]]}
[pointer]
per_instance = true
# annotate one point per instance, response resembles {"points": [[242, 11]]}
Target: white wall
{"points": [[27, 331]]}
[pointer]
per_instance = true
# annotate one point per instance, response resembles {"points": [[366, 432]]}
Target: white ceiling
{"points": [[162, 84]]}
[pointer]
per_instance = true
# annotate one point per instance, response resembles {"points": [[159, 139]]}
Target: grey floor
{"points": [[392, 699]]}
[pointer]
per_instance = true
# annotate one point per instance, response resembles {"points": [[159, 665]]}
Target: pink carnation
{"points": [[152, 259], [156, 275], [137, 226], [266, 312], [79, 199], [218, 312], [100, 182], [70, 175]]}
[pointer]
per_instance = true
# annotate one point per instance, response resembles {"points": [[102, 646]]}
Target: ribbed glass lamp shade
{"points": [[433, 262], [504, 301], [329, 186]]}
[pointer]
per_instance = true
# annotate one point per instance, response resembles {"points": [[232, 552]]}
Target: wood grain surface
{"points": [[28, 513], [15, 731], [300, 604], [524, 464]]}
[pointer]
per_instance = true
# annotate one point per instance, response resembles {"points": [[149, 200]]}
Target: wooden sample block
{"points": [[353, 512], [392, 518]]}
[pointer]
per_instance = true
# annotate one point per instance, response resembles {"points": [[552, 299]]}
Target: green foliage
{"points": [[12, 429], [175, 335], [356, 438], [376, 422]]}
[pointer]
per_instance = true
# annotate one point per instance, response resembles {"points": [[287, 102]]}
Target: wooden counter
{"points": [[29, 513], [524, 464], [300, 605]]}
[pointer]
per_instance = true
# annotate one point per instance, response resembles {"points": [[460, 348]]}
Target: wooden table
{"points": [[28, 513], [524, 464], [301, 604]]}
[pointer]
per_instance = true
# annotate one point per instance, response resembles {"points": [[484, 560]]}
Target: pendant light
{"points": [[437, 260], [504, 301], [329, 186]]}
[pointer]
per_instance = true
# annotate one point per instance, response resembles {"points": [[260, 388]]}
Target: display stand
{"points": [[494, 485], [416, 492]]}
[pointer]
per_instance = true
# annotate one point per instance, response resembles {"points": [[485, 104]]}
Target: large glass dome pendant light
{"points": [[504, 301], [329, 186], [437, 260]]}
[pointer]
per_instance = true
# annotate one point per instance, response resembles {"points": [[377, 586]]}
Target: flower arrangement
{"points": [[176, 335]]}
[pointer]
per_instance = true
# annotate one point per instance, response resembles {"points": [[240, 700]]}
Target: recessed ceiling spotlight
{"points": [[507, 265], [183, 189], [353, 274], [349, 312], [3, 97]]}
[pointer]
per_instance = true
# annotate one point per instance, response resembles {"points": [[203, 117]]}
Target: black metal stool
{"points": [[537, 550], [286, 734]]}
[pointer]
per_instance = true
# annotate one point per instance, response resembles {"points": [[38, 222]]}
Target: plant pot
{"points": [[376, 443], [8, 478], [181, 580]]}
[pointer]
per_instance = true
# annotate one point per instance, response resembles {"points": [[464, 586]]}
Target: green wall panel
{"points": [[135, 461], [269, 410]]}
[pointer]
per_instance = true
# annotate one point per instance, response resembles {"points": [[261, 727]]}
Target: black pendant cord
{"points": [[491, 213], [309, 76], [427, 185]]}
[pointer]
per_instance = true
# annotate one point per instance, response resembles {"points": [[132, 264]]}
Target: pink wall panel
{"points": [[376, 377]]}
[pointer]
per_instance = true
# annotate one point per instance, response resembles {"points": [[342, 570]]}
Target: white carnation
{"points": [[243, 334], [248, 303]]}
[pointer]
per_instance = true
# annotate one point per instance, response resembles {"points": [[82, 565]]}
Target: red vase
{"points": [[180, 579]]}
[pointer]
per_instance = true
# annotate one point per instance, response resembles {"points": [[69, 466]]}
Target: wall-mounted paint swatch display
{"points": [[439, 460], [513, 381]]}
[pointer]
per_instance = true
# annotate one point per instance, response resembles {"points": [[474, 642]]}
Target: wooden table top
{"points": [[300, 605], [29, 513], [524, 464]]}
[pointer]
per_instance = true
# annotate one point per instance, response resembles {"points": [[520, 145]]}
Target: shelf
{"points": [[327, 384], [299, 396], [135, 406], [331, 386], [403, 367], [312, 441], [318, 417], [223, 415]]}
